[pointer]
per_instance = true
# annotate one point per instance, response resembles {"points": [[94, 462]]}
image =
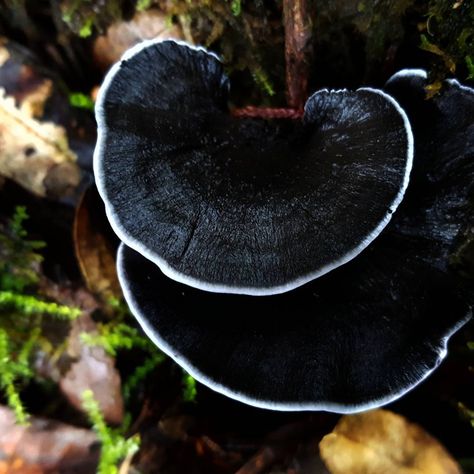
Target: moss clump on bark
{"points": [[449, 35]]}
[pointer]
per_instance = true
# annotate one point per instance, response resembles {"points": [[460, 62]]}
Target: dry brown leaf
{"points": [[4, 54], [94, 251], [44, 446], [109, 48], [93, 370], [35, 154], [380, 441]]}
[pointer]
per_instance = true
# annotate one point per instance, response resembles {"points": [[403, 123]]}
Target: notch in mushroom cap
{"points": [[239, 205], [364, 334]]}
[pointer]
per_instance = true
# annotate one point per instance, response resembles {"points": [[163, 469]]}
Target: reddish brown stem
{"points": [[267, 113], [298, 51]]}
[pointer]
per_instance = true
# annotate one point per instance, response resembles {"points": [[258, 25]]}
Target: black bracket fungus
{"points": [[243, 205], [358, 337]]}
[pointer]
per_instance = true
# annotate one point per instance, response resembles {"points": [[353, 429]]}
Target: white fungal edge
{"points": [[420, 73], [456, 83], [328, 406], [164, 266]]}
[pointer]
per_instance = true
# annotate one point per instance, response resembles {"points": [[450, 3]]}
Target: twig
{"points": [[298, 50], [126, 463]]}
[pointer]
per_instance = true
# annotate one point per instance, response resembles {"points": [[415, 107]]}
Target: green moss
{"points": [[381, 26], [19, 257], [15, 369], [81, 101], [361, 7], [247, 37], [114, 446], [28, 304], [433, 48], [143, 5], [236, 7], [449, 34], [118, 335], [189, 388], [262, 80], [115, 336], [140, 374], [86, 28], [22, 310], [470, 66], [83, 16]]}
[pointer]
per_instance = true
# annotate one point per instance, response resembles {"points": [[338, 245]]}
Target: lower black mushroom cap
{"points": [[362, 335], [240, 205], [344, 343]]}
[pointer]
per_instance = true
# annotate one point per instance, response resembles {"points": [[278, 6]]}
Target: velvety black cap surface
{"points": [[438, 203], [358, 337], [353, 339], [241, 205]]}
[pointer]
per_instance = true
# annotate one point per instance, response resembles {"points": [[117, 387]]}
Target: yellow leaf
{"points": [[35, 154], [380, 441]]}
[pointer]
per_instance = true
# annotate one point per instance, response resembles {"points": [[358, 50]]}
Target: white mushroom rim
{"points": [[420, 73], [188, 366], [170, 271]]}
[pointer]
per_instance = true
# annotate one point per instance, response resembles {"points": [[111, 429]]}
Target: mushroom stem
{"points": [[267, 113], [298, 50]]}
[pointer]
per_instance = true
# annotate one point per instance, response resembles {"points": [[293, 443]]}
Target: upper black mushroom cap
{"points": [[362, 335], [240, 205]]}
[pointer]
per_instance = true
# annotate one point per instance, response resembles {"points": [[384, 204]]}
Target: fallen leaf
{"points": [[44, 446], [43, 140], [34, 154], [4, 54], [53, 364], [426, 45], [93, 369], [94, 251], [380, 441], [109, 48]]}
